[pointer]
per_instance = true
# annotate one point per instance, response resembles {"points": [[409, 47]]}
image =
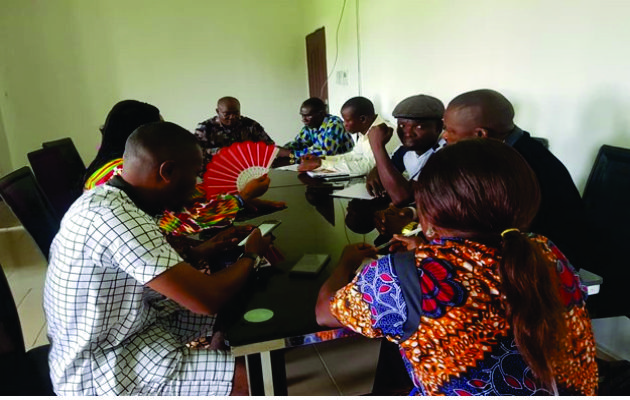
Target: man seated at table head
{"points": [[228, 127], [358, 118], [120, 303], [488, 114], [323, 134]]}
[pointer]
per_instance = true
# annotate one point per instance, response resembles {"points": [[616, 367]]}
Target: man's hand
{"points": [[309, 162], [255, 188], [391, 220], [256, 204], [354, 254], [257, 244], [282, 152], [374, 185], [220, 242], [379, 135]]}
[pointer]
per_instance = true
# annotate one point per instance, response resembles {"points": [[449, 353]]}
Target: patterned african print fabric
{"points": [[213, 136], [219, 211], [329, 139], [103, 174], [464, 344]]}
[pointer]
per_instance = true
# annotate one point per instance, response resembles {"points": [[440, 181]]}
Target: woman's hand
{"points": [[391, 220], [407, 243], [354, 254]]}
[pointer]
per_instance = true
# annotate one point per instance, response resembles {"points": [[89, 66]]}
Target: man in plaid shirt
{"points": [[120, 303]]}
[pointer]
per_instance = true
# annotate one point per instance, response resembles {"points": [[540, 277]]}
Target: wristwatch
{"points": [[255, 257]]}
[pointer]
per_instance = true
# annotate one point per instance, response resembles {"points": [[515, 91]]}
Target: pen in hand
{"points": [[410, 233]]}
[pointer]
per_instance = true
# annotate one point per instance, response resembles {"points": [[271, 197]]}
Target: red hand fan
{"points": [[233, 166]]}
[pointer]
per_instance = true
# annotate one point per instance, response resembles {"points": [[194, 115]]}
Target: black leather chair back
{"points": [[25, 198], [22, 373], [58, 177], [606, 200], [69, 152]]}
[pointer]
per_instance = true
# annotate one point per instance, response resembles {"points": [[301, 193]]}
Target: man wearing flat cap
{"points": [[419, 124]]}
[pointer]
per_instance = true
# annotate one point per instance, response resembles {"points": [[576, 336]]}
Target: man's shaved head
{"points": [[483, 112], [229, 110], [162, 159], [157, 142], [229, 101]]}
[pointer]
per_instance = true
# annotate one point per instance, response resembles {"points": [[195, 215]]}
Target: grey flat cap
{"points": [[419, 107]]}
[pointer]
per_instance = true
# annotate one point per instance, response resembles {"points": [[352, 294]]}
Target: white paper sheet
{"points": [[354, 191], [290, 167]]}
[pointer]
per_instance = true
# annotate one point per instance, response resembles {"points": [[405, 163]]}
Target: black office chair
{"points": [[58, 177], [22, 373], [606, 198], [69, 152], [28, 202]]}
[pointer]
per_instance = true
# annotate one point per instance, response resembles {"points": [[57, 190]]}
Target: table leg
{"points": [[266, 373]]}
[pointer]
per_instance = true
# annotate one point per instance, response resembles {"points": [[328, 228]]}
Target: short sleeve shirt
{"points": [[213, 136], [110, 333]]}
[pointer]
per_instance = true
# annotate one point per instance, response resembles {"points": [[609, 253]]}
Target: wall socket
{"points": [[342, 78]]}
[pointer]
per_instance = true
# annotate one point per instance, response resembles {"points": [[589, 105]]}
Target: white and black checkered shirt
{"points": [[111, 334]]}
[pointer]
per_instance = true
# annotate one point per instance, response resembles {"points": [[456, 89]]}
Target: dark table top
{"points": [[313, 222]]}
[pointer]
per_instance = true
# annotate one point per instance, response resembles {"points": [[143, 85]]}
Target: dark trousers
{"points": [[391, 375]]}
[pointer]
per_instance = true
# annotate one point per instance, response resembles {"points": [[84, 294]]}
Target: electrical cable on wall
{"points": [[359, 83], [343, 8]]}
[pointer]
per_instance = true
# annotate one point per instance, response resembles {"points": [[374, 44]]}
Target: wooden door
{"points": [[316, 64]]}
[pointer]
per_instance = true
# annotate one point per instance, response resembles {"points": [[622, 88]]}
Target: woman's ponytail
{"points": [[534, 308]]}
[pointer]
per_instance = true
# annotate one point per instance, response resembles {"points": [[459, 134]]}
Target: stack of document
{"points": [[330, 175]]}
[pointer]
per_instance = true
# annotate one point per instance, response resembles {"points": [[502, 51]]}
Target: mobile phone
{"points": [[310, 264], [265, 228]]}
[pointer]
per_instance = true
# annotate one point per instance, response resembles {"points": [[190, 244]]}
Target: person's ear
{"points": [[217, 111], [166, 171], [481, 133]]}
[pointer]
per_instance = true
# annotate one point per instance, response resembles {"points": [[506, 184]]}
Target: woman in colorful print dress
{"points": [[483, 308]]}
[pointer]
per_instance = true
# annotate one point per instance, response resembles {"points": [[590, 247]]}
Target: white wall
{"points": [[65, 63], [563, 64], [5, 156]]}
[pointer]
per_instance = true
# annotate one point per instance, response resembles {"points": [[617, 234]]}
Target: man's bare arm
{"points": [[206, 294], [398, 188]]}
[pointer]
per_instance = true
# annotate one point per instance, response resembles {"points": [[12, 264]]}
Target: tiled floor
{"points": [[344, 367]]}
